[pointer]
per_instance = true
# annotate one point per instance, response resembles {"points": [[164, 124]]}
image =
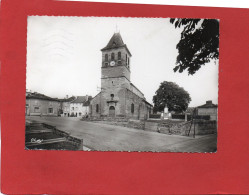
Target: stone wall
{"points": [[132, 98], [136, 124], [174, 128], [115, 71], [122, 101], [94, 102], [202, 127]]}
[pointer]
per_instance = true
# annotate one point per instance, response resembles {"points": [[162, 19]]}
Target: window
{"points": [[112, 96], [132, 108], [128, 61], [97, 108], [36, 109], [106, 64], [50, 110], [106, 57], [126, 58], [36, 102], [112, 56], [119, 55], [72, 108]]}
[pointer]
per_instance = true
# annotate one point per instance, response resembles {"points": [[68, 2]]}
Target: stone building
{"points": [[208, 109], [80, 106], [118, 96], [41, 105]]}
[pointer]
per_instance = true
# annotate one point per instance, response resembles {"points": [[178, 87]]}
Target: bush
{"points": [[202, 117], [178, 116]]}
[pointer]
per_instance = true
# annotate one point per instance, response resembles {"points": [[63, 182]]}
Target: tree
{"points": [[171, 95], [198, 45]]}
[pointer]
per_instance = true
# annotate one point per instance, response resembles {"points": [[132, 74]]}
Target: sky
{"points": [[64, 57]]}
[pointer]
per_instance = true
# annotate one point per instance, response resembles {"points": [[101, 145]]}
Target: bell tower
{"points": [[115, 59]]}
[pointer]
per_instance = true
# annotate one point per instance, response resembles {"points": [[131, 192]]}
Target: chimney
{"points": [[209, 102], [66, 96], [86, 97]]}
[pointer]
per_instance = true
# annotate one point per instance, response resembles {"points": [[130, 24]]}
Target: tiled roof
{"points": [[208, 104], [115, 42], [40, 96], [67, 99], [79, 99], [136, 88], [147, 103], [82, 99]]}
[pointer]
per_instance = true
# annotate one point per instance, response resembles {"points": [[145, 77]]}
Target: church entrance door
{"points": [[112, 111]]}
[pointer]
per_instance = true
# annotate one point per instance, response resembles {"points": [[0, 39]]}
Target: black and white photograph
{"points": [[122, 84]]}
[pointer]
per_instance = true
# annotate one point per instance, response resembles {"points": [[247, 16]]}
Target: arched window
{"points": [[112, 96], [132, 108], [106, 57], [112, 56], [97, 108], [119, 55]]}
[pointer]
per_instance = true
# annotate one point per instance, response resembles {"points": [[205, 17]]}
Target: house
{"points": [[118, 96], [65, 106], [208, 109], [39, 104], [80, 106]]}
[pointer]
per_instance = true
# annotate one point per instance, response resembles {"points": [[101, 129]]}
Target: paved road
{"points": [[104, 137]]}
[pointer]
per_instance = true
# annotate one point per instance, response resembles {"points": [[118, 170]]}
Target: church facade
{"points": [[118, 96]]}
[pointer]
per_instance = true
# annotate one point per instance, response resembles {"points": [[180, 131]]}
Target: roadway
{"points": [[105, 137]]}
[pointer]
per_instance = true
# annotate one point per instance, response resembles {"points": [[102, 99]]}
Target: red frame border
{"points": [[77, 172]]}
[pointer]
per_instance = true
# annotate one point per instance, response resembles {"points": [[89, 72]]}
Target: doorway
{"points": [[112, 111]]}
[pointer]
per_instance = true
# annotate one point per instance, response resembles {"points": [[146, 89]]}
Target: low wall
{"points": [[116, 119], [201, 127], [181, 128], [136, 124]]}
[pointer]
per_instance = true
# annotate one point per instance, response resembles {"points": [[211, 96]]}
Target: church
{"points": [[118, 98]]}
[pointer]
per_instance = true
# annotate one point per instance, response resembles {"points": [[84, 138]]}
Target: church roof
{"points": [[115, 42]]}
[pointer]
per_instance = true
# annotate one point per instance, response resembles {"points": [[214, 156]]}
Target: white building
{"points": [[80, 106], [65, 106]]}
